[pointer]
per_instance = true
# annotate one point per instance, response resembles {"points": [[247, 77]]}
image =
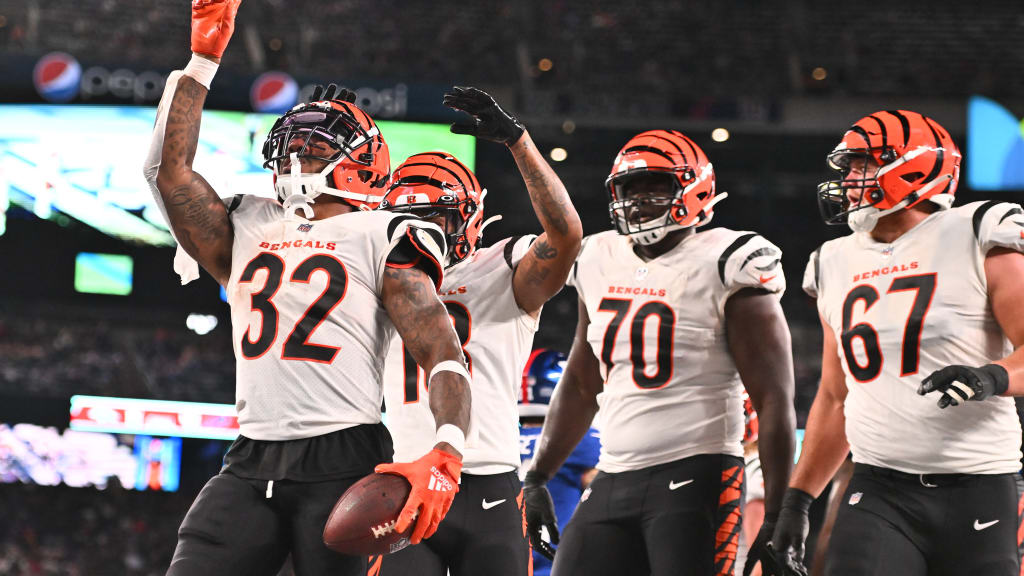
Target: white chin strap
{"points": [[865, 219]]}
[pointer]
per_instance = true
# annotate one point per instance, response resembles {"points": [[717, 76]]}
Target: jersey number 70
{"points": [[666, 328]]}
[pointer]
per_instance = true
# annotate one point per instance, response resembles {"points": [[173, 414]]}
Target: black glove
{"points": [[961, 383], [787, 545], [758, 550], [540, 513], [489, 121], [332, 92]]}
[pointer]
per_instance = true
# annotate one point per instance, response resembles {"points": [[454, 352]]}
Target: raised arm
{"points": [[760, 344], [572, 410], [543, 270], [197, 216]]}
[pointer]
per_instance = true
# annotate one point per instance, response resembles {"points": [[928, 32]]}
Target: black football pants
{"points": [[676, 519], [484, 534], [234, 528], [937, 525]]}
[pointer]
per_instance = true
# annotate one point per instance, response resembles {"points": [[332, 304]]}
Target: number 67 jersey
{"points": [[899, 312], [657, 327]]}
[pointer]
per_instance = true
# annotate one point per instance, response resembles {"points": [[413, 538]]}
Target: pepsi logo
{"points": [[56, 77], [274, 92]]}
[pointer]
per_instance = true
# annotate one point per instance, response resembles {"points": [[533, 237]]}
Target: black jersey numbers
{"points": [[923, 286], [463, 323], [296, 345], [652, 311]]}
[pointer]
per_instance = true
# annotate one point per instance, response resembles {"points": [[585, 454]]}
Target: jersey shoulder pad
{"points": [[414, 242], [514, 248], [812, 273], [997, 225], [750, 261]]}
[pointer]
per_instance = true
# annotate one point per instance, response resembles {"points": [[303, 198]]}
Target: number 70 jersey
{"points": [[902, 310], [671, 387]]}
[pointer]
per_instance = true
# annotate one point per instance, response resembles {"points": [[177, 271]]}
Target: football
{"points": [[363, 520]]}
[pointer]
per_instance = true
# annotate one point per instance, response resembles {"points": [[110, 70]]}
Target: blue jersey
{"points": [[566, 486]]}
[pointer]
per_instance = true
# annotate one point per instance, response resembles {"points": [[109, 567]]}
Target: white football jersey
{"points": [[899, 312], [310, 331], [497, 338], [671, 388]]}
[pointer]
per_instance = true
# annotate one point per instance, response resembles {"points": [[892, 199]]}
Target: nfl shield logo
{"points": [[887, 252], [305, 227], [855, 498]]}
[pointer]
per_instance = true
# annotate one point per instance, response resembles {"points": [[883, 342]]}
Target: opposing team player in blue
{"points": [[318, 285], [920, 304], [570, 483], [673, 323], [494, 295]]}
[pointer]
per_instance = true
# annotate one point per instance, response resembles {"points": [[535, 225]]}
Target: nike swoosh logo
{"points": [[488, 505], [764, 280], [980, 526], [675, 485]]}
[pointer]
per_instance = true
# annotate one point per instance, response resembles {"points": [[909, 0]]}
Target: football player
{"points": [[568, 485], [318, 285], [920, 298], [670, 322], [494, 296]]}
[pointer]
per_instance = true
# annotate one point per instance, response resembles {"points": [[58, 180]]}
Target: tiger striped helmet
{"points": [[691, 176], [437, 185], [917, 160], [336, 132]]}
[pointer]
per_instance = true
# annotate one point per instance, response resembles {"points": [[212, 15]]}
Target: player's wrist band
{"points": [[1000, 377], [449, 366], [201, 70], [535, 478], [797, 499], [453, 435]]}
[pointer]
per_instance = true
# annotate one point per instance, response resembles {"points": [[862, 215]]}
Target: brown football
{"points": [[363, 520]]}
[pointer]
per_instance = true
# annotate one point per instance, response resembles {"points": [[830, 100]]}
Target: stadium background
{"points": [[784, 79]]}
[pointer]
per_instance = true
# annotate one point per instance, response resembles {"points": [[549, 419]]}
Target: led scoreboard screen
{"points": [[85, 162]]}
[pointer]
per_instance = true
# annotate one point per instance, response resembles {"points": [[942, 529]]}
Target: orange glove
{"points": [[213, 22], [435, 480]]}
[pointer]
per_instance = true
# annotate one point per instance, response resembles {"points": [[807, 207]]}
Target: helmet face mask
{"points": [[917, 160], [435, 186], [661, 181]]}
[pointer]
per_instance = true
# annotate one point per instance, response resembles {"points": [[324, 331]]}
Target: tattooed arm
{"points": [[411, 301], [543, 270], [196, 214]]}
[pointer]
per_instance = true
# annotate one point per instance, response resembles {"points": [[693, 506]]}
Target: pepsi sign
{"points": [[274, 93], [57, 76]]}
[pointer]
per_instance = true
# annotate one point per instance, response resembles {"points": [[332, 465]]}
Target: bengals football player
{"points": [[922, 320], [673, 323], [318, 285], [494, 295]]}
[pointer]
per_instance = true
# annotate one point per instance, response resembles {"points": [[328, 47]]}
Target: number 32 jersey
{"points": [[899, 312], [497, 337], [671, 387], [310, 331]]}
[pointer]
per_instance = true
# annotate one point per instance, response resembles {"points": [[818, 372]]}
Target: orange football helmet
{"points": [[917, 160], [691, 176], [340, 133], [433, 184]]}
